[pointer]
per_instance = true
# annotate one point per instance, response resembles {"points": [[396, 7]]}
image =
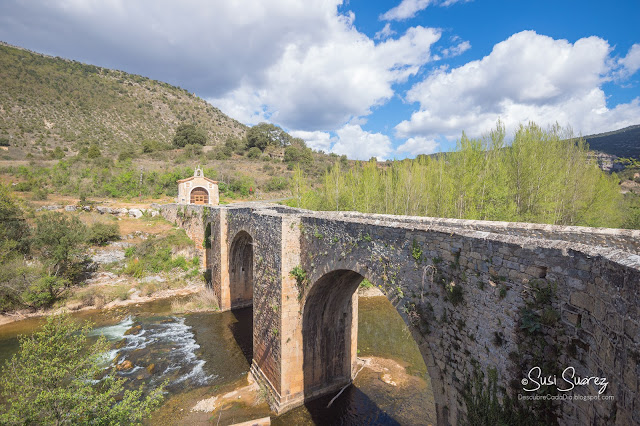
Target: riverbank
{"points": [[135, 299]]}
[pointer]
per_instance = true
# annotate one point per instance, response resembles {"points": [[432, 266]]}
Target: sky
{"points": [[365, 78]]}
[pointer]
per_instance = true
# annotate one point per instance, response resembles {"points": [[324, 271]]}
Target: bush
{"points": [[242, 185], [23, 186], [276, 183], [192, 150], [40, 194], [152, 145], [254, 152], [102, 233], [57, 153], [94, 152], [51, 381]]}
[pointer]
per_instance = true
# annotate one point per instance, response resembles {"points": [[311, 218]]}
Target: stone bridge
{"points": [[481, 299]]}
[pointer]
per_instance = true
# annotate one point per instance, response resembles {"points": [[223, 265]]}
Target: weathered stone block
{"points": [[582, 300]]}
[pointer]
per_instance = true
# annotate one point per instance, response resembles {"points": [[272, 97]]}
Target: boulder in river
{"points": [[133, 330], [124, 365]]}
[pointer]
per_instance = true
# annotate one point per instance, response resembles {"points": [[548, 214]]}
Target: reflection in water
{"points": [[353, 407]]}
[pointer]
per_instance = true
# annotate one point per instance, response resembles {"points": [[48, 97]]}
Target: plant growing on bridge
{"points": [[454, 293], [301, 279], [416, 251]]}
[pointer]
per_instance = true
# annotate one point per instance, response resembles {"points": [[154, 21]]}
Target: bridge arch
{"points": [[330, 334], [241, 270]]}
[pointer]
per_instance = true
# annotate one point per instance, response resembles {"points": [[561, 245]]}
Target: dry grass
{"points": [[156, 226], [205, 300]]}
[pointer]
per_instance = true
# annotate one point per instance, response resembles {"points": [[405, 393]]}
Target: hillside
{"points": [[47, 102], [80, 130], [621, 143]]}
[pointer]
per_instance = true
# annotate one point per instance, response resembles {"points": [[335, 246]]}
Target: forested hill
{"points": [[47, 102], [622, 143]]}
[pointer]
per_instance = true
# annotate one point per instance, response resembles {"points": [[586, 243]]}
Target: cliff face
{"points": [[47, 102], [608, 162]]}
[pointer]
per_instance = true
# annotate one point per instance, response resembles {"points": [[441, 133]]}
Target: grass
{"points": [[205, 300]]}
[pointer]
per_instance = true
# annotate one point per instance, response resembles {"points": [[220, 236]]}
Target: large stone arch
{"points": [[330, 332], [241, 270]]}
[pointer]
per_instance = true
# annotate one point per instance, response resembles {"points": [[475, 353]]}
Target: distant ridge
{"points": [[621, 143]]}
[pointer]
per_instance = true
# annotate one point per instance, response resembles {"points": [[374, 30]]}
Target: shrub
{"points": [[102, 233], [40, 194], [23, 186], [94, 151], [254, 152], [276, 183]]}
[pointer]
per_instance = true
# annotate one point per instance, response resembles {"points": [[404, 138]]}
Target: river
{"points": [[200, 354]]}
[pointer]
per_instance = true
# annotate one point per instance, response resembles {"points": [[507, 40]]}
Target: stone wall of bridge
{"points": [[479, 298]]}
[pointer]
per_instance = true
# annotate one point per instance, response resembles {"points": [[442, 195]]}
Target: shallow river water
{"points": [[205, 353]]}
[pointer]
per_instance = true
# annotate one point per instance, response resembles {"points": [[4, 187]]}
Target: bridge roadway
{"points": [[479, 297]]}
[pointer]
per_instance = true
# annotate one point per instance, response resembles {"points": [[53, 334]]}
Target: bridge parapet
{"points": [[478, 297]]}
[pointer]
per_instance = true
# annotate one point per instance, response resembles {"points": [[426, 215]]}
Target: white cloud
{"points": [[320, 141], [456, 50], [405, 10], [325, 84], [526, 77], [385, 32], [358, 144], [350, 140], [408, 8], [418, 145], [450, 2], [631, 63]]}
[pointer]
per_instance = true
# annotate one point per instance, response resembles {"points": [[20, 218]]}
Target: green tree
{"points": [[263, 135], [189, 134], [298, 154], [60, 243], [298, 185], [51, 381], [14, 232], [543, 176]]}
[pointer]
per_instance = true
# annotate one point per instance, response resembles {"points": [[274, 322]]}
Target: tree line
{"points": [[543, 176]]}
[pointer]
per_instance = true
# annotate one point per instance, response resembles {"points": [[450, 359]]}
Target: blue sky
{"points": [[390, 79]]}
